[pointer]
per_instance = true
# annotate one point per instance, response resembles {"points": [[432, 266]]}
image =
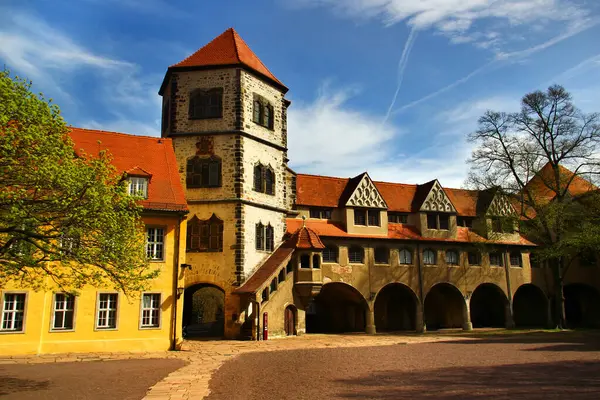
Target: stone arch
{"points": [[396, 308], [530, 307], [444, 307], [582, 306], [203, 311], [489, 306], [337, 308]]}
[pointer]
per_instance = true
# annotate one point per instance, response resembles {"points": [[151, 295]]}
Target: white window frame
{"points": [[3, 311], [138, 186], [155, 243], [97, 327], [142, 309], [410, 256], [54, 310]]}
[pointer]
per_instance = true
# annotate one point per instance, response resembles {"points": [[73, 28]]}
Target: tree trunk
{"points": [[559, 298]]}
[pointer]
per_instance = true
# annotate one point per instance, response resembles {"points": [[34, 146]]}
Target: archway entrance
{"points": [[530, 307], [337, 308], [395, 308], [289, 320], [203, 311], [444, 307], [582, 306], [488, 307]]}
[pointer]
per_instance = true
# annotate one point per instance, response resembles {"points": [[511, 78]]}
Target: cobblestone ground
{"points": [[536, 365]]}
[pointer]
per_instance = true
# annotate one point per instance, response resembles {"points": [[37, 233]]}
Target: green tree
{"points": [[545, 157], [65, 218]]}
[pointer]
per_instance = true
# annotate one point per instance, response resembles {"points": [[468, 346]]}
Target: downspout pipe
{"points": [[421, 328], [175, 281]]}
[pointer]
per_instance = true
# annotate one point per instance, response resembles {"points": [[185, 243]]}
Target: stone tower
{"points": [[226, 114]]}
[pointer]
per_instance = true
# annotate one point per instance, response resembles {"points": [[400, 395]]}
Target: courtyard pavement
{"points": [[379, 366]]}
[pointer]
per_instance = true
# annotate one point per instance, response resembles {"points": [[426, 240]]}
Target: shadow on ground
{"points": [[569, 379], [11, 384]]}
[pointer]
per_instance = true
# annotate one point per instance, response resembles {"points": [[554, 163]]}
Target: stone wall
{"points": [[255, 153]]}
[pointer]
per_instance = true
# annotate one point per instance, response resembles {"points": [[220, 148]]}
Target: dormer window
{"points": [[398, 218], [205, 104], [320, 213], [366, 217], [138, 186], [262, 113], [438, 221]]}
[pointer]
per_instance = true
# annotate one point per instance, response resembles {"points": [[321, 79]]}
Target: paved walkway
{"points": [[191, 381]]}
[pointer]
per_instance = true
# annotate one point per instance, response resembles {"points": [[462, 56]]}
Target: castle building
{"points": [[252, 248]]}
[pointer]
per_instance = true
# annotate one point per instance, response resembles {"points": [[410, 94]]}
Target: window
{"points": [[264, 179], [264, 295], [330, 254], [438, 221], [316, 261], [203, 172], [373, 218], [429, 257], [260, 236], [150, 310], [496, 259], [205, 235], [269, 238], [289, 268], [356, 255], [515, 259], [69, 243], [466, 222], [304, 261], [281, 276], [138, 186], [502, 225], [262, 113], [64, 311], [206, 104], [398, 218], [13, 312], [320, 213], [156, 243], [474, 258], [405, 256], [451, 257], [381, 255], [273, 286], [360, 217], [107, 311]]}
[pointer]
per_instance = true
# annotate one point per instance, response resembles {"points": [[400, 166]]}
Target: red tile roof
{"points": [[328, 191], [227, 49], [543, 183], [139, 155], [395, 232], [305, 238], [270, 268]]}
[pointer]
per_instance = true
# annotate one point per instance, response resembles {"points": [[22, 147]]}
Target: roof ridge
{"points": [[235, 44], [119, 133]]}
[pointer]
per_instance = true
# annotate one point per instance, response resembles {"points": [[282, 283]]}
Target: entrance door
{"points": [[290, 321]]}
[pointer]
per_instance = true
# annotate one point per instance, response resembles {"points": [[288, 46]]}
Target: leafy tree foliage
{"points": [[545, 157], [65, 219]]}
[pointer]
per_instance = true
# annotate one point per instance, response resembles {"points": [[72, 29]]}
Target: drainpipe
{"points": [[175, 281], [509, 315], [421, 328]]}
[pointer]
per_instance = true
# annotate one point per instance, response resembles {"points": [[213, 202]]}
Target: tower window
{"points": [[265, 237], [205, 235], [206, 104], [264, 179], [203, 172], [262, 112]]}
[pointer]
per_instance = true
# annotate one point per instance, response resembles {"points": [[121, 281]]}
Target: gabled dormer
{"points": [[498, 218], [366, 210], [437, 214]]}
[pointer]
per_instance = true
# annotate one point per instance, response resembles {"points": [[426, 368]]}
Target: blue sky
{"points": [[388, 86]]}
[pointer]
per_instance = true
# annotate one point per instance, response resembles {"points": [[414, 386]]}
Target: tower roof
{"points": [[227, 49]]}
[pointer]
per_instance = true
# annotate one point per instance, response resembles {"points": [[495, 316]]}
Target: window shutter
{"points": [[260, 237], [269, 178], [256, 112], [214, 173], [258, 181]]}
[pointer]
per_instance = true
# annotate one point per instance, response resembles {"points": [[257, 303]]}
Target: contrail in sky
{"points": [[410, 41]]}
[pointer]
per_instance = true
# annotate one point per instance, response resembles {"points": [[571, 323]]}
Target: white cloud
{"points": [[329, 137], [50, 58]]}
